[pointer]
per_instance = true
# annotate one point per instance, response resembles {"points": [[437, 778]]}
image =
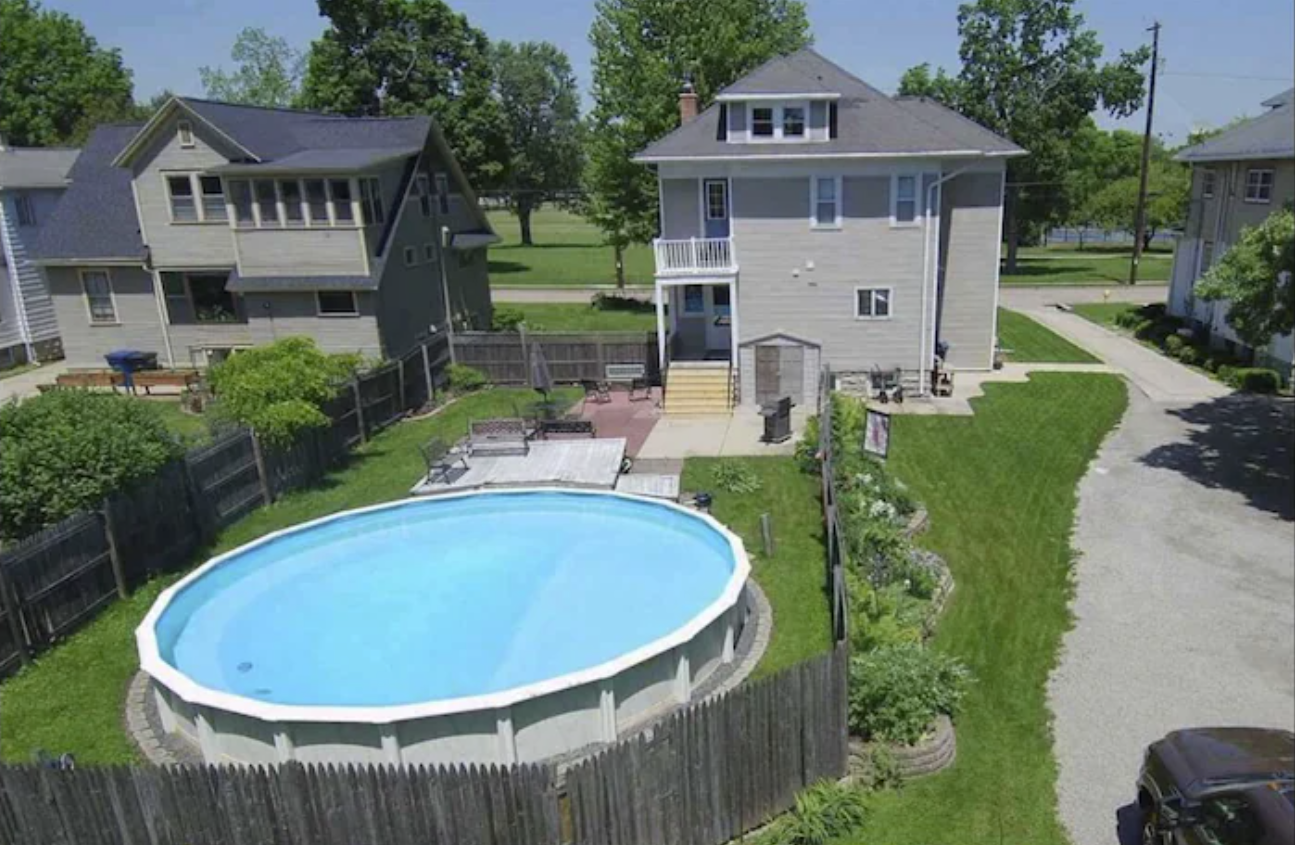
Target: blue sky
{"points": [[1220, 59]]}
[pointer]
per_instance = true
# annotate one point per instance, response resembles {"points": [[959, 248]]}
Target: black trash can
{"points": [[130, 361], [777, 420]]}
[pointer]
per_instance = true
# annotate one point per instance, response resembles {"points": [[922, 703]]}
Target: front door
{"points": [[719, 320], [714, 200]]}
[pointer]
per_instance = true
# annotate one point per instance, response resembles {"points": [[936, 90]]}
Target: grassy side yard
{"points": [[1054, 266], [1000, 488], [793, 577], [568, 250], [190, 428], [1103, 313], [71, 699], [1031, 342], [575, 317]]}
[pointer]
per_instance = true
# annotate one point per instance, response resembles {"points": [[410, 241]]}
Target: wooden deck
{"points": [[575, 463]]}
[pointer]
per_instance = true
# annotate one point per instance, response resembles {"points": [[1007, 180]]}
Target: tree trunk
{"points": [[1011, 232], [1147, 235], [620, 266], [1081, 239], [524, 219]]}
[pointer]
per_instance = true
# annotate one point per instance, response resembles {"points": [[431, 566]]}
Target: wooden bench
{"points": [[90, 378], [148, 379], [503, 436], [632, 376], [565, 428]]}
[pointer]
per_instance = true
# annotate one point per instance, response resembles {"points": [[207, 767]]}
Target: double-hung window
{"points": [[778, 122], [826, 202], [443, 194], [1207, 183], [316, 202], [183, 207], [793, 121], [903, 208], [423, 190], [290, 191], [340, 192], [872, 303], [98, 297], [267, 203], [240, 196], [371, 201], [213, 198], [762, 121], [1259, 185]]}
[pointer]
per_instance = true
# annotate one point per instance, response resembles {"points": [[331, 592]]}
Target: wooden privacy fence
{"points": [[574, 356], [287, 805], [54, 581], [720, 769], [832, 523]]}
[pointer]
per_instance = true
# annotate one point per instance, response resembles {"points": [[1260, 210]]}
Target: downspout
{"points": [[923, 352], [15, 285], [447, 239]]}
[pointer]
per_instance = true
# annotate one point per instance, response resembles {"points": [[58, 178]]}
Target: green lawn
{"points": [[1000, 488], [793, 577], [190, 428], [1103, 313], [17, 370], [71, 699], [1058, 266], [574, 317], [1032, 342], [567, 251]]}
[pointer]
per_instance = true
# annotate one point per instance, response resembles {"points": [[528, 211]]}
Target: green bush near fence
{"points": [[465, 379], [279, 389], [898, 690], [825, 811], [65, 450]]}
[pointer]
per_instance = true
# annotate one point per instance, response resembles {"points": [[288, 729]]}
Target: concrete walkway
{"points": [[1038, 296], [25, 384], [1183, 612]]}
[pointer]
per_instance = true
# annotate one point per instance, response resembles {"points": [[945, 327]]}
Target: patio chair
{"points": [[440, 459], [599, 391]]}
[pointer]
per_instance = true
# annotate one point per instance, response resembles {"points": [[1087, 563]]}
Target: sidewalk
{"points": [[24, 385]]}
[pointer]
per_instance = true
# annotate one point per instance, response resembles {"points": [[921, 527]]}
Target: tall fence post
{"points": [[427, 374], [114, 554], [400, 381], [526, 358], [264, 477], [10, 604], [359, 410]]}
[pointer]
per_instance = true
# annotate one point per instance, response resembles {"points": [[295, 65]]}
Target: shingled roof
{"points": [[869, 123], [35, 167], [1271, 135]]}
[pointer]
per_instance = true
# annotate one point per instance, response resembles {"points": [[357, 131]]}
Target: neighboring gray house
{"points": [[808, 219], [214, 227], [1239, 177], [31, 182]]}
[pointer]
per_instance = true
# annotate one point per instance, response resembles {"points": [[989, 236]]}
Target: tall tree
{"points": [[541, 110], [1115, 204], [642, 51], [403, 57], [1257, 278], [268, 72], [56, 82], [1032, 72]]}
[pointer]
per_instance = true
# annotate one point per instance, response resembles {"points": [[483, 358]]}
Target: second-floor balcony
{"points": [[695, 257]]}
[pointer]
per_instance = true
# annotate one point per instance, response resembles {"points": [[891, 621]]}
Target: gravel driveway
{"points": [[1183, 607]]}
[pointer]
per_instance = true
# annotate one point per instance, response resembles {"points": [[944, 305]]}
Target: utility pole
{"points": [[1140, 219]]}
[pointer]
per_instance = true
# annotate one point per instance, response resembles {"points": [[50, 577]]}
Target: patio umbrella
{"points": [[541, 378]]}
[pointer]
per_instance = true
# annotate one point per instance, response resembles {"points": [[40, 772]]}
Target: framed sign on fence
{"points": [[876, 433]]}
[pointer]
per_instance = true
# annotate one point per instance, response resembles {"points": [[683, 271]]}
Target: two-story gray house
{"points": [[214, 227], [31, 182], [1239, 177], [809, 219]]}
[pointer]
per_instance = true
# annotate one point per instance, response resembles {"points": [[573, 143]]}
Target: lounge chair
{"points": [[440, 459]]}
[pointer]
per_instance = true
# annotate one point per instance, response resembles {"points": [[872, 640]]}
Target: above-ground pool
{"points": [[489, 627]]}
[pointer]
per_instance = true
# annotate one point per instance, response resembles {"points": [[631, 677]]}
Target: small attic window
{"points": [[184, 129]]}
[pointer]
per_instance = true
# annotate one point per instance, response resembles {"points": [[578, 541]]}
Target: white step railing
{"points": [[695, 256]]}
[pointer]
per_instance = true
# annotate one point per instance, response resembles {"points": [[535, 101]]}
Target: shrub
{"points": [[464, 379], [613, 302], [66, 450], [897, 691], [1129, 319], [825, 812], [807, 447], [1189, 355], [1174, 344], [1211, 364], [1228, 374], [735, 477], [279, 389], [507, 318], [1258, 380]]}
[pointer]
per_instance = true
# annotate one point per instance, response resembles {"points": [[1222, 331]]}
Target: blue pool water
{"points": [[443, 598]]}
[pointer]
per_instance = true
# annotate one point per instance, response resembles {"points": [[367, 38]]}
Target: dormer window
{"points": [[762, 122], [184, 129], [793, 122], [777, 122]]}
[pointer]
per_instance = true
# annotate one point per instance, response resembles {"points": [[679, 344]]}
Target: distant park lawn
{"points": [[633, 316], [1103, 313], [1028, 341], [568, 250], [1100, 264]]}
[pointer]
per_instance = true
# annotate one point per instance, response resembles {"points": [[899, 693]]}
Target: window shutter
{"points": [[721, 132], [831, 120]]}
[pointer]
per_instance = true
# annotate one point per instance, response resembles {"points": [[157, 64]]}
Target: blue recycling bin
{"points": [[130, 361]]}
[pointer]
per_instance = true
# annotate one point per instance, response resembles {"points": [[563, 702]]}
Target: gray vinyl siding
{"points": [[969, 237], [469, 280], [10, 330], [773, 238], [307, 252], [410, 299], [272, 316], [180, 244], [137, 327], [818, 128], [32, 291], [681, 209]]}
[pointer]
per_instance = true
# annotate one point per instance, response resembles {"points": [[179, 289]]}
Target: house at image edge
{"points": [[1239, 177], [809, 219], [31, 182], [214, 227]]}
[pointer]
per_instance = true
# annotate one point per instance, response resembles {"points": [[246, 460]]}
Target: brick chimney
{"points": [[687, 100]]}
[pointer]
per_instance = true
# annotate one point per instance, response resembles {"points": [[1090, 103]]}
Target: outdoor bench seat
{"points": [[503, 436], [572, 428]]}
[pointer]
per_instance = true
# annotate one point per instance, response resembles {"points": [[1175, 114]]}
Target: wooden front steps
{"points": [[699, 390]]}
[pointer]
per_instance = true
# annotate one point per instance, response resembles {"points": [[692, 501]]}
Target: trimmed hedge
{"points": [[1256, 380]]}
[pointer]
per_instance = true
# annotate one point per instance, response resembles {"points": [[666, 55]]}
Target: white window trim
{"points": [[410, 256], [835, 225], [182, 129], [890, 302], [895, 222], [195, 194], [112, 296], [1272, 180], [705, 200], [355, 302], [1209, 183], [777, 137]]}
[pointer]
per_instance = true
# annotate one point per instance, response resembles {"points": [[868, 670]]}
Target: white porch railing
{"points": [[695, 256]]}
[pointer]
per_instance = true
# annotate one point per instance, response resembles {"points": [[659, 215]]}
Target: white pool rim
{"points": [[180, 684]]}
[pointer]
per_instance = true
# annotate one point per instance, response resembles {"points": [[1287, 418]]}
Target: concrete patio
{"points": [[718, 436], [575, 463]]}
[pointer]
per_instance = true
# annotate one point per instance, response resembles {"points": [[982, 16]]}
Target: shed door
{"points": [[779, 372]]}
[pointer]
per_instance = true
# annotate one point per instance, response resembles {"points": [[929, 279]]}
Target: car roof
{"points": [[1202, 759]]}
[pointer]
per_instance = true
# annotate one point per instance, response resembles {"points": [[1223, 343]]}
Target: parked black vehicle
{"points": [[1219, 786]]}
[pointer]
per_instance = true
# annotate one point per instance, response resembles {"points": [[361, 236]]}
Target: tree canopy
{"points": [[403, 57], [268, 72], [1032, 72], [642, 51], [541, 111], [56, 82], [1257, 277]]}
